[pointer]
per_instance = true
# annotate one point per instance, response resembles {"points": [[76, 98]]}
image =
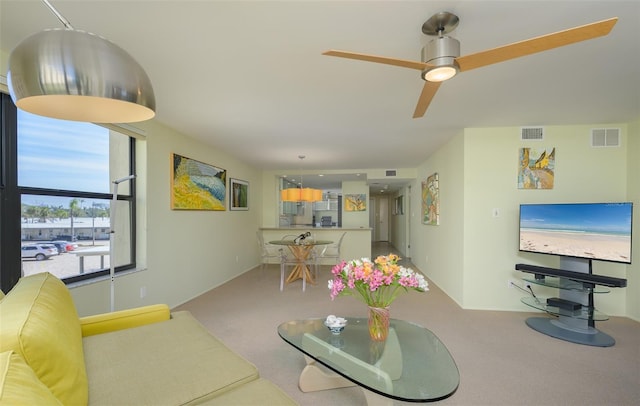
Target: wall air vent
{"points": [[605, 137], [531, 133], [390, 172]]}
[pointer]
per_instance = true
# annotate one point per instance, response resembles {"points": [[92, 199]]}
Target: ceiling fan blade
{"points": [[428, 91], [534, 45], [379, 59]]}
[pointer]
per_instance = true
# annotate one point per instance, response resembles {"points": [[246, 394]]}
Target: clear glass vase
{"points": [[378, 323]]}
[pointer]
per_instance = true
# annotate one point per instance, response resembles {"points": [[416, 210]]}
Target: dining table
{"points": [[301, 251]]}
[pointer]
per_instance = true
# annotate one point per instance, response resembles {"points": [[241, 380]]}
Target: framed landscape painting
{"points": [[238, 194], [196, 185]]}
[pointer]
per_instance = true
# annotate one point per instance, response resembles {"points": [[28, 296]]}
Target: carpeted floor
{"points": [[501, 361]]}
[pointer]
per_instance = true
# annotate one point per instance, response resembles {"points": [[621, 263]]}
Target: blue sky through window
{"points": [[59, 154]]}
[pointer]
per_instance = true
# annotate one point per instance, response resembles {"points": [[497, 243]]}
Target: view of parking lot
{"points": [[66, 264]]}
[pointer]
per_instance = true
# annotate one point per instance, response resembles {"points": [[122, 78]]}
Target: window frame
{"points": [[11, 196]]}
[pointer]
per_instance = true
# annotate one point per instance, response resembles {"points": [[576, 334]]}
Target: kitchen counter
{"points": [[312, 228]]}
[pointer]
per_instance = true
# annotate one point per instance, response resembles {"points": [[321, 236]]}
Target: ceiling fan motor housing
{"points": [[441, 51]]}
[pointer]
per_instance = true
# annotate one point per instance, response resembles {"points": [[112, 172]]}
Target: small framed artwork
{"points": [[238, 194], [399, 205], [537, 168], [196, 185], [355, 202], [431, 201]]}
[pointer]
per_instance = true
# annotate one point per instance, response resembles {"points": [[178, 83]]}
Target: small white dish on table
{"points": [[335, 324]]}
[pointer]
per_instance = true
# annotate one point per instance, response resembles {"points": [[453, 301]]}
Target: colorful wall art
{"points": [[355, 202], [537, 168], [196, 185], [431, 201], [238, 194]]}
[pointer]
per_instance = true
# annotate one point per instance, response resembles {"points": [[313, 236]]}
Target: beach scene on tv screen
{"points": [[594, 231]]}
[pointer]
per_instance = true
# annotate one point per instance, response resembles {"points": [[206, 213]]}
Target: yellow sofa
{"points": [[144, 356]]}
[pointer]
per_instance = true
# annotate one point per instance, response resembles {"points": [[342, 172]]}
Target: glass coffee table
{"points": [[412, 365]]}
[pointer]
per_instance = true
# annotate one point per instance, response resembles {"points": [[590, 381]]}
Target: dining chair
{"points": [[332, 251], [267, 251]]}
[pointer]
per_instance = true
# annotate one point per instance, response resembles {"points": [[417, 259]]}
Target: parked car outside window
{"points": [[68, 246], [39, 252], [60, 245], [49, 245]]}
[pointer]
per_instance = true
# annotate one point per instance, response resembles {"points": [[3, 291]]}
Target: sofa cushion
{"points": [[19, 385], [123, 319], [40, 322], [258, 393], [171, 362]]}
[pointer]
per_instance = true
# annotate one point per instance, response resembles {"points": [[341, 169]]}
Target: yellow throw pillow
{"points": [[19, 385], [40, 322]]}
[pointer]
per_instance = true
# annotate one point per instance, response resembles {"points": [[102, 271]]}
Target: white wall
{"points": [[582, 174], [633, 186], [398, 222], [438, 250], [188, 252], [355, 218], [472, 254]]}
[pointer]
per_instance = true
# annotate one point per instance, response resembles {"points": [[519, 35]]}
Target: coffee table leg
{"points": [[314, 379]]}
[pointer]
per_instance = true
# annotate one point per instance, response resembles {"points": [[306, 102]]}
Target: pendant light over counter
{"points": [[301, 194], [74, 75]]}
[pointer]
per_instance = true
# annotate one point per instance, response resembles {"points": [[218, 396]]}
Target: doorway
{"points": [[380, 210]]}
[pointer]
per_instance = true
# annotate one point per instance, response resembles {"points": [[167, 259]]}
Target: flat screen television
{"points": [[589, 231]]}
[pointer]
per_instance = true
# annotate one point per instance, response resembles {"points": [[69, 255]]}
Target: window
{"points": [[57, 180]]}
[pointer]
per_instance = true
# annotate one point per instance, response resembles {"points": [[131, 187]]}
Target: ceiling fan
{"points": [[441, 58]]}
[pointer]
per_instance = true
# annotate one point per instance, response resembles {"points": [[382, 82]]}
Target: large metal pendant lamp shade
{"points": [[75, 75]]}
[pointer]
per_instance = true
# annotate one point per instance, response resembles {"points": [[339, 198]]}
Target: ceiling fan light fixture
{"points": [[441, 54], [74, 75], [439, 74]]}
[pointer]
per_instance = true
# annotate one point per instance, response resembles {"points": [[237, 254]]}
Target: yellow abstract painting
{"points": [[355, 202], [196, 185], [537, 168]]}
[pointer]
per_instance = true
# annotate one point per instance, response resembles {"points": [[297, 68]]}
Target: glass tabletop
{"points": [[412, 365], [303, 242]]}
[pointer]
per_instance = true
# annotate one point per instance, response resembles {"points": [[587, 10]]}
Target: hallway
{"points": [[386, 248]]}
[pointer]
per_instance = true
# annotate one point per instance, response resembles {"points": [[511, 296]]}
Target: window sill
{"points": [[100, 279]]}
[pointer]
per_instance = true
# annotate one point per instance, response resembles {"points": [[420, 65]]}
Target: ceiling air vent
{"points": [[390, 172], [605, 137], [531, 134]]}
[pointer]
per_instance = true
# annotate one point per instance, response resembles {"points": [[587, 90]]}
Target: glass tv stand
{"points": [[574, 311]]}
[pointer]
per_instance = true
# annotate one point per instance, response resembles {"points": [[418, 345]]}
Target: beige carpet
{"points": [[501, 360]]}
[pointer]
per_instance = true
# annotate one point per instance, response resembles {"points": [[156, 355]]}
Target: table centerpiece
{"points": [[377, 283]]}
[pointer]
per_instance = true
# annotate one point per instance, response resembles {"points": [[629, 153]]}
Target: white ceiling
{"points": [[249, 78]]}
